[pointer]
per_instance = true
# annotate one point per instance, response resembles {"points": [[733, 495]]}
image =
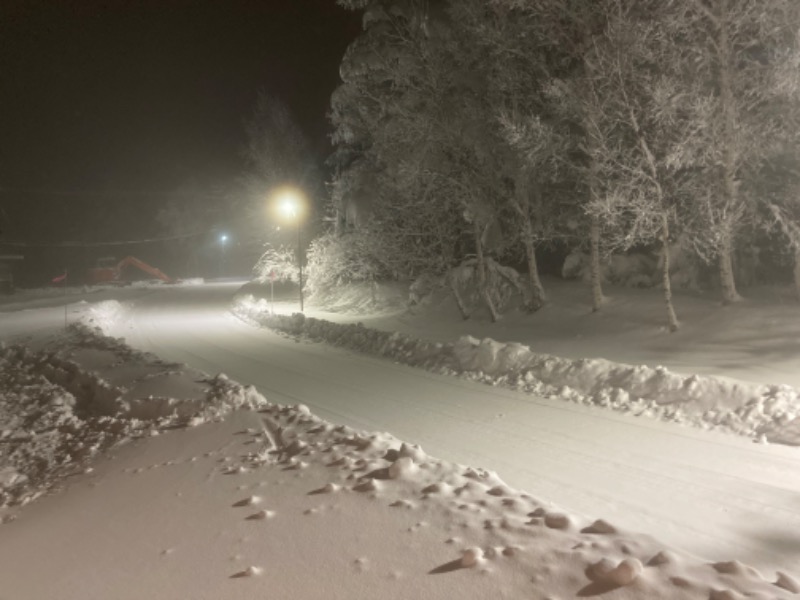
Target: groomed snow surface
{"points": [[222, 494]]}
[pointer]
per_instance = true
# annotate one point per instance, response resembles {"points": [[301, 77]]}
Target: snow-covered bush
{"points": [[277, 264], [423, 287], [334, 260], [502, 285]]}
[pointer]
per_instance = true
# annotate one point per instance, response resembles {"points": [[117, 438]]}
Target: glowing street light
{"points": [[222, 241], [290, 203]]}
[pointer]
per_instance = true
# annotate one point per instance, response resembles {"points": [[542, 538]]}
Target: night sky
{"points": [[124, 97]]}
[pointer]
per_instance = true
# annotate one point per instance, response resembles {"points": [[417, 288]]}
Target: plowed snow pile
{"points": [[763, 412], [57, 411], [240, 498]]}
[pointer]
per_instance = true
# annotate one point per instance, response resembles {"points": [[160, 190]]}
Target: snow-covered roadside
{"points": [[84, 394], [245, 502], [763, 412], [27, 299]]}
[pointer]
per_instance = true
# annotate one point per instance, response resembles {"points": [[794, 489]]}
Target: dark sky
{"points": [[104, 95]]}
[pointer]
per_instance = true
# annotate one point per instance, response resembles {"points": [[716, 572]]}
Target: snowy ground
{"points": [[170, 498]]}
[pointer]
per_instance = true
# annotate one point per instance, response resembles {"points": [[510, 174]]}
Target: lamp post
{"points": [[290, 205], [222, 240]]}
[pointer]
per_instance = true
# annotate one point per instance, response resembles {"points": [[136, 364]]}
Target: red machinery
{"points": [[113, 273]]}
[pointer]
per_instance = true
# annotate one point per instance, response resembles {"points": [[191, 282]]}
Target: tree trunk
{"points": [[462, 308], [726, 279], [729, 156], [672, 319], [522, 206], [594, 259], [666, 283], [797, 273], [538, 297], [483, 287]]}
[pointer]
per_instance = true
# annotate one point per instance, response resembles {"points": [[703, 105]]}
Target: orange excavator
{"points": [[112, 273]]}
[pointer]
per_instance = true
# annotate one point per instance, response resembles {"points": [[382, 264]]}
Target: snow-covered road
{"points": [[713, 495]]}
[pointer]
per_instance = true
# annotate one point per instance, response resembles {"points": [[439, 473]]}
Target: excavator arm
{"points": [[142, 266]]}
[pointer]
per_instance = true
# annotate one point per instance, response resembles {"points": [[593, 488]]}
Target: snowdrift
{"points": [[762, 412]]}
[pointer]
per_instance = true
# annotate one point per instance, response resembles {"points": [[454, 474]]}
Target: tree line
{"points": [[469, 132]]}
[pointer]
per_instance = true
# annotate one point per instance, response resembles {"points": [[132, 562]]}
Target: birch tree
{"points": [[731, 47], [648, 122], [780, 179], [560, 33], [779, 188]]}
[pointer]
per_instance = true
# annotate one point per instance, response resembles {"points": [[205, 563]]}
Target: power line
{"points": [[71, 244], [138, 193]]}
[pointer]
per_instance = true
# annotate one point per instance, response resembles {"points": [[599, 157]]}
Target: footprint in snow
{"points": [[328, 488], [470, 558], [249, 501], [361, 564], [251, 571], [261, 515]]}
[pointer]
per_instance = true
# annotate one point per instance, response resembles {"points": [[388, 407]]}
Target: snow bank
{"points": [[762, 412], [56, 413]]}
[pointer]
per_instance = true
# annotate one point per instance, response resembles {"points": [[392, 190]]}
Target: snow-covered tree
{"points": [[335, 260], [428, 139], [464, 128], [525, 136], [554, 37], [381, 115], [277, 263], [647, 123], [779, 180], [732, 47]]}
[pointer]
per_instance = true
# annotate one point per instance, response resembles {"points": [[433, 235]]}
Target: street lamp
{"points": [[290, 204], [222, 240]]}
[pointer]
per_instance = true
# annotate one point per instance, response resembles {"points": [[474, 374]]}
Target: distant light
{"points": [[223, 238]]}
